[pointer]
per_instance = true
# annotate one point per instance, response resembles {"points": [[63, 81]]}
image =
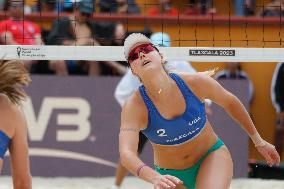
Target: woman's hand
{"points": [[270, 154], [166, 182]]}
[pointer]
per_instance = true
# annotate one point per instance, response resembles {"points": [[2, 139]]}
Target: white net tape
{"points": [[115, 53]]}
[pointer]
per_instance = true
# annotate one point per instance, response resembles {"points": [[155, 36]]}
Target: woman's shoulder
{"points": [[195, 82], [8, 114], [135, 101], [135, 111], [193, 78]]}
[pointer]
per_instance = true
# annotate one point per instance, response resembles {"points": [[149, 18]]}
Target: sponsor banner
{"points": [[74, 125]]}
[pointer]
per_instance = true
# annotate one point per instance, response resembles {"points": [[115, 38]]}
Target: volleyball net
{"points": [[209, 31]]}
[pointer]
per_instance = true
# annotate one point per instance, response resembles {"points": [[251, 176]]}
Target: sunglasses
{"points": [[145, 48]]}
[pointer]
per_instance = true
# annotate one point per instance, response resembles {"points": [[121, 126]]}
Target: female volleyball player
{"points": [[13, 127], [169, 109]]}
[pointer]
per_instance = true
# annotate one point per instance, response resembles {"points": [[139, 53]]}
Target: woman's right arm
{"points": [[131, 123]]}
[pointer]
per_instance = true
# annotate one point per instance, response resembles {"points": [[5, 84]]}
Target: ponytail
{"points": [[211, 72]]}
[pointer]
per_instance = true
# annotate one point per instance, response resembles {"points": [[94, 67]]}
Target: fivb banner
{"points": [[73, 127]]}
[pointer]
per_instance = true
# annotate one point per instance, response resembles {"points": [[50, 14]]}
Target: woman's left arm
{"points": [[211, 89], [19, 148]]}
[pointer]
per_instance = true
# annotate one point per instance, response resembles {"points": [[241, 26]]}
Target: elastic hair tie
{"points": [[140, 168]]}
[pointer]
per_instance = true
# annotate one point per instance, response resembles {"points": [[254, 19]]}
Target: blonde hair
{"points": [[211, 72], [13, 77]]}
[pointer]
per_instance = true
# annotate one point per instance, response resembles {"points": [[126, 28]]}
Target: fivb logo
{"points": [[37, 126]]}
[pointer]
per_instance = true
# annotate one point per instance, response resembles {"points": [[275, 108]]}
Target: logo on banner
{"points": [[78, 118], [30, 52], [19, 51]]}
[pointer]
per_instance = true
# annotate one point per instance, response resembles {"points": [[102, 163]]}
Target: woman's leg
{"points": [[216, 170]]}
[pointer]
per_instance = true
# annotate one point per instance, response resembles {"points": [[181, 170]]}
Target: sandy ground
{"points": [[130, 183]]}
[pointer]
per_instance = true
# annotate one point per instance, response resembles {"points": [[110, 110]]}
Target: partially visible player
{"points": [[13, 125], [169, 109]]}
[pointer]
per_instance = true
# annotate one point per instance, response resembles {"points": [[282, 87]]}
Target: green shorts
{"points": [[188, 176]]}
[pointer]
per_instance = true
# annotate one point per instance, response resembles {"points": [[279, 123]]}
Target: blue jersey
{"points": [[179, 130]]}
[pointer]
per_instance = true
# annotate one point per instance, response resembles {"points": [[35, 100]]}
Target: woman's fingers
{"points": [[275, 156], [174, 179], [165, 185], [169, 182], [270, 154], [268, 159]]}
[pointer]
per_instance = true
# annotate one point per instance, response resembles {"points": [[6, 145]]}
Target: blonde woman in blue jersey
{"points": [[13, 125], [169, 110]]}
